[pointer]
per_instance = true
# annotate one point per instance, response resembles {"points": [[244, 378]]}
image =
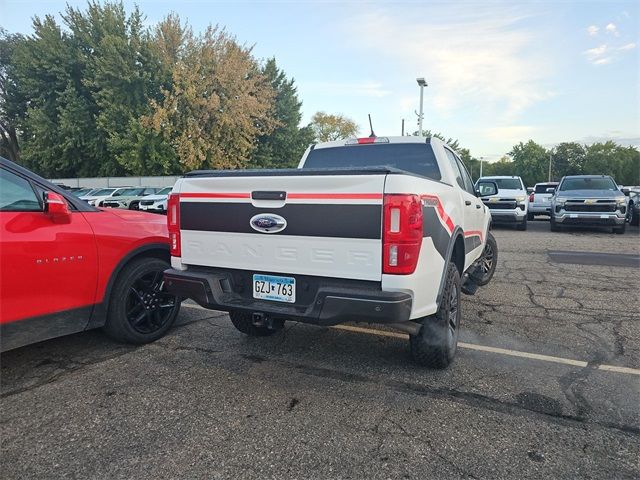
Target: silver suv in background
{"points": [[589, 200], [156, 203], [510, 204], [540, 199]]}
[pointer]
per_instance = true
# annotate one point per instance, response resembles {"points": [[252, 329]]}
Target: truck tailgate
{"points": [[332, 223]]}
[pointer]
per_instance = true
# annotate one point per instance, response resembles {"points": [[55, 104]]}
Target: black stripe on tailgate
{"points": [[311, 220]]}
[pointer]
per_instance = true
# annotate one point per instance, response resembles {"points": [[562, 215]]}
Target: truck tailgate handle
{"points": [[266, 195]]}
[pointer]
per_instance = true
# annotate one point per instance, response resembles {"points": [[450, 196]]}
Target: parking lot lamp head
{"points": [[422, 83]]}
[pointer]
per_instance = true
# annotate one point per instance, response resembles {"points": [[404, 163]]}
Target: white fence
{"points": [[97, 182]]}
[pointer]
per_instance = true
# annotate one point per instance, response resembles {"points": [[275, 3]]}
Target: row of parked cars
{"points": [[151, 199], [577, 200]]}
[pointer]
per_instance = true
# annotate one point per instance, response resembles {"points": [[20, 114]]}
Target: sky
{"points": [[498, 72]]}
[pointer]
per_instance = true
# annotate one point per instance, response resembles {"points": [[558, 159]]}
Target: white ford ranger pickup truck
{"points": [[376, 229]]}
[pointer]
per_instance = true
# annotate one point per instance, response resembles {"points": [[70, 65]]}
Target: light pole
{"points": [[549, 165], [481, 160], [421, 81]]}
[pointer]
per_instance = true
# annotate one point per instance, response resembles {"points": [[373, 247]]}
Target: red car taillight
{"points": [[173, 223], [531, 198], [402, 234]]}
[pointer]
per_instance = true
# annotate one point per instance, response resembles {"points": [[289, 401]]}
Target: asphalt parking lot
{"points": [[546, 385]]}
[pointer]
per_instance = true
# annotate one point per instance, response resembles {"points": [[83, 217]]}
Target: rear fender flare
{"points": [[458, 233]]}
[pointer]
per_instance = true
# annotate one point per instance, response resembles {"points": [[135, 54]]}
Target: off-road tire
{"points": [[487, 262], [634, 218], [522, 225], [553, 225], [121, 306], [243, 322], [530, 216], [621, 229], [436, 343]]}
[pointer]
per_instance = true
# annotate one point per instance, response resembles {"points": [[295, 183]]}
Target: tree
{"points": [[79, 91], [218, 102], [622, 163], [567, 159], [327, 127], [9, 147], [284, 146], [531, 161]]}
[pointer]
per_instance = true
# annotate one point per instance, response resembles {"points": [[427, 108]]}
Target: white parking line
{"points": [[480, 348]]}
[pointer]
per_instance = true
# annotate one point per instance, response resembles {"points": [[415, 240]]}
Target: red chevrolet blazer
{"points": [[66, 267]]}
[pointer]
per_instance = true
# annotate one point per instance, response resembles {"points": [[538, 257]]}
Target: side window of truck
{"points": [[468, 183], [456, 169]]}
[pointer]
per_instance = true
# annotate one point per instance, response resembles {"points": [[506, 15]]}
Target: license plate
{"points": [[277, 289]]}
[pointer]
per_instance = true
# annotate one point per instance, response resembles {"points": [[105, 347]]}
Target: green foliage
{"points": [[531, 162], [327, 127], [9, 146], [102, 94], [284, 146]]}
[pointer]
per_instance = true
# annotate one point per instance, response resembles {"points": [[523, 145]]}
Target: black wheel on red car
{"points": [[436, 343], [487, 262], [140, 309], [244, 323]]}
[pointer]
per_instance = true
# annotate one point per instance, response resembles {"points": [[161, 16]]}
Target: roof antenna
{"points": [[371, 127]]}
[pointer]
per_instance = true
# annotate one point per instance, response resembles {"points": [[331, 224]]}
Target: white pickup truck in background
{"points": [[377, 230]]}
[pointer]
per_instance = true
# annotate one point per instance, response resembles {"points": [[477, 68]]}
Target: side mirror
{"points": [[626, 191], [486, 188], [56, 207], [551, 190]]}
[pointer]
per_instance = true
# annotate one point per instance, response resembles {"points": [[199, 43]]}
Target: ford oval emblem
{"points": [[268, 223]]}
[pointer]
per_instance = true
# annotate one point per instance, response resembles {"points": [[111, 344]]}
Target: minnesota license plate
{"points": [[277, 289]]}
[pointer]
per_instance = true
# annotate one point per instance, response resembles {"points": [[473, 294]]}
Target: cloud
{"points": [[593, 30], [605, 54], [484, 61], [594, 53], [612, 29], [510, 133], [363, 89]]}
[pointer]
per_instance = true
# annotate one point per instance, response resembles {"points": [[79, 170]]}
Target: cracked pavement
{"points": [[309, 402]]}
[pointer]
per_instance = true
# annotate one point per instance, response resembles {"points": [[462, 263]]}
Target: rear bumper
{"points": [[323, 301], [541, 209]]}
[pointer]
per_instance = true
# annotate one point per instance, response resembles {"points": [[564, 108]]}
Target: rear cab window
{"points": [[415, 158], [542, 187]]}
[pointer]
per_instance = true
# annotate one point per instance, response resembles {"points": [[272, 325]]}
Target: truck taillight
{"points": [[402, 234], [173, 224], [531, 198]]}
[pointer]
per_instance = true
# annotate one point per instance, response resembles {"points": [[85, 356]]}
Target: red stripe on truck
{"points": [[335, 196], [473, 233], [440, 209], [295, 196], [215, 195]]}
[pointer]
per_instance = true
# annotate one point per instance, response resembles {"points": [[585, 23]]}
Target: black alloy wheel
{"points": [[487, 262], [148, 306], [140, 308]]}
